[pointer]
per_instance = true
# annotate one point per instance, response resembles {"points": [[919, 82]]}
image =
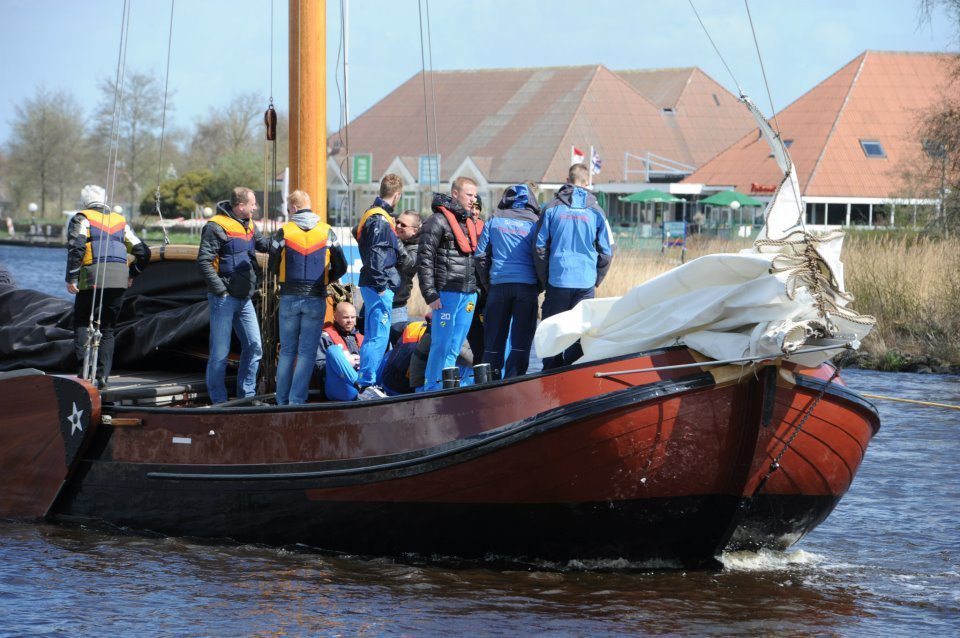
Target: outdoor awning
{"points": [[650, 195], [724, 198]]}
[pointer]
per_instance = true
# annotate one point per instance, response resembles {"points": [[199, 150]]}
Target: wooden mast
{"points": [[308, 96]]}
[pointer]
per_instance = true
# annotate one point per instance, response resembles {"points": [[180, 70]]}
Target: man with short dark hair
{"points": [[228, 261], [573, 251], [408, 232], [379, 251]]}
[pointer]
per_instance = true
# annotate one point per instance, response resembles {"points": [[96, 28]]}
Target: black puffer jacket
{"points": [[407, 267], [440, 264]]}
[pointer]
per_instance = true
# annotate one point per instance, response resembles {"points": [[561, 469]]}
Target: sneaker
{"points": [[371, 392]]}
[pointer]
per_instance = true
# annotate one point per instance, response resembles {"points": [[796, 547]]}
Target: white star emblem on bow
{"points": [[74, 420]]}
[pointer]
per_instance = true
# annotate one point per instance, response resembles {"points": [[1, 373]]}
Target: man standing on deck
{"points": [[379, 278], [505, 266], [447, 273], [408, 231], [228, 262], [306, 255], [573, 251], [97, 245]]}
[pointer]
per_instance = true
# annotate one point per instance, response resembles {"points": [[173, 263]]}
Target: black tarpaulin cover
{"points": [[164, 312]]}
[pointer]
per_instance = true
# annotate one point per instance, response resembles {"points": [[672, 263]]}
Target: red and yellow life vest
{"points": [[305, 257], [235, 254], [376, 210], [334, 334], [474, 227], [413, 331], [106, 241]]}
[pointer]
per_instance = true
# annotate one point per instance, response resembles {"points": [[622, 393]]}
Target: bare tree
{"points": [[230, 130], [45, 146], [138, 132]]}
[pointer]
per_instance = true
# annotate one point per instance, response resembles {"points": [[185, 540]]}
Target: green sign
{"points": [[362, 168]]}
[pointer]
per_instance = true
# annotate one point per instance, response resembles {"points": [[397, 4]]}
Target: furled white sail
{"points": [[764, 301]]}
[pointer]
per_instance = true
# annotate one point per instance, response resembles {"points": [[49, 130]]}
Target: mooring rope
{"points": [[929, 404]]}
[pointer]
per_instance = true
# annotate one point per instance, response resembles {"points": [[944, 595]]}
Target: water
{"points": [[885, 563]]}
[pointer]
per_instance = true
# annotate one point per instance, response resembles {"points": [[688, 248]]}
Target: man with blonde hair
{"points": [[227, 258], [447, 274], [379, 278], [306, 255], [572, 252]]}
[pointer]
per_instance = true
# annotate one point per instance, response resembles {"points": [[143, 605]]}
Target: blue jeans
{"points": [[559, 300], [301, 321], [341, 378], [448, 329], [226, 314], [511, 313], [376, 336]]}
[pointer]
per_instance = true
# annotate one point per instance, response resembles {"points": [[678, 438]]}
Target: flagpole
{"points": [[590, 168]]}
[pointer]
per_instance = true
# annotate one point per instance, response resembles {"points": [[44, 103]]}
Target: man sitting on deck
{"points": [[339, 354]]}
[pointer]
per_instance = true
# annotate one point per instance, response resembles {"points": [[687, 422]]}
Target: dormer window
{"points": [[872, 148]]}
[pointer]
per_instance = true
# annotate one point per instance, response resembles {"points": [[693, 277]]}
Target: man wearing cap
{"points": [[505, 266], [98, 242], [228, 261]]}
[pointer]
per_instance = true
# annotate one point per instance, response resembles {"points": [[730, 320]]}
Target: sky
{"points": [[223, 47]]}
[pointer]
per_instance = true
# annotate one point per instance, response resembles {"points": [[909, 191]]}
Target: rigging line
{"points": [[163, 126], [762, 70], [271, 51], [719, 55], [92, 346], [299, 124], [342, 98], [433, 94], [423, 74]]}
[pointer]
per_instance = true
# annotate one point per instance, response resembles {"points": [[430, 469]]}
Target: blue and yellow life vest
{"points": [[306, 257], [376, 210], [106, 241], [234, 256]]}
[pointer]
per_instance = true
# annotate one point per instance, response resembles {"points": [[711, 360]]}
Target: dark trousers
{"points": [[511, 309], [559, 300], [112, 301]]}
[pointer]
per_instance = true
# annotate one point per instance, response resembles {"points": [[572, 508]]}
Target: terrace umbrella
{"points": [[650, 195], [724, 198]]}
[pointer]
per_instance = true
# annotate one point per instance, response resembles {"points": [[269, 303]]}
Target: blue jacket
{"points": [[505, 249], [379, 250], [573, 248]]}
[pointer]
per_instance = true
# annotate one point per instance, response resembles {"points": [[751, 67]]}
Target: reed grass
{"points": [[910, 284]]}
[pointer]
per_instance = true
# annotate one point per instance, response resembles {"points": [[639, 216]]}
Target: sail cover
{"points": [[768, 300]]}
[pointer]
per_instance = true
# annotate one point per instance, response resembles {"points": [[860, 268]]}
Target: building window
{"points": [[668, 110], [716, 99], [872, 148]]}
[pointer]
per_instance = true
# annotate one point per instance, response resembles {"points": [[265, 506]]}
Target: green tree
{"points": [[179, 197], [138, 133], [46, 146], [236, 169]]}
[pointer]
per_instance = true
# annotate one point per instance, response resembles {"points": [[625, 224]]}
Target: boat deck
{"points": [[159, 387]]}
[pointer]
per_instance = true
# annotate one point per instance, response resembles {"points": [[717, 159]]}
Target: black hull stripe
{"points": [[432, 458]]}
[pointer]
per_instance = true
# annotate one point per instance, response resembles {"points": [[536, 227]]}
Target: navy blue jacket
{"points": [[505, 249], [573, 246], [379, 252]]}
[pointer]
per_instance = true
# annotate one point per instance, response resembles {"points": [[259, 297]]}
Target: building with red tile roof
{"points": [[852, 138], [503, 126]]}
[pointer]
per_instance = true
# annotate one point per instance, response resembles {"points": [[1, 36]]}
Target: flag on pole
{"points": [[576, 155], [595, 163]]}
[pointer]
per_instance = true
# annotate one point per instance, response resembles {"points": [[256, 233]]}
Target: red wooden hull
{"points": [[655, 465]]}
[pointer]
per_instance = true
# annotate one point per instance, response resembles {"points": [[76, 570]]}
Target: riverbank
{"points": [[911, 284]]}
